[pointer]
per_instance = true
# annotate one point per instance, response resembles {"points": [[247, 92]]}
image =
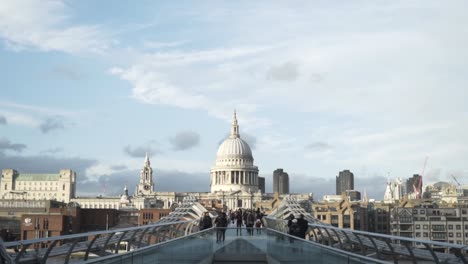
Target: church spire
{"points": [[365, 198], [147, 161], [235, 126]]}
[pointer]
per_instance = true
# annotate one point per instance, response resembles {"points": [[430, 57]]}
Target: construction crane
{"points": [[417, 185], [460, 188], [456, 180]]}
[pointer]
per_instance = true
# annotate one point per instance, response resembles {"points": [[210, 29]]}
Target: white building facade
{"points": [[234, 169], [234, 178], [38, 186]]}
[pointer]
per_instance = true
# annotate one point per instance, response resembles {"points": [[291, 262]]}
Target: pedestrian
{"points": [[290, 218], [250, 222], [239, 222], [221, 223], [303, 225], [258, 225], [205, 222]]}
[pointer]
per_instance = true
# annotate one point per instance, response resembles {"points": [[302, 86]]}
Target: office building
{"points": [[280, 182], [344, 181], [261, 184]]}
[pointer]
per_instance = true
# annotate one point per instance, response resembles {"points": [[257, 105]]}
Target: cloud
{"points": [[179, 181], [51, 151], [432, 175], [46, 164], [154, 78], [6, 144], [288, 71], [67, 72], [161, 45], [320, 186], [109, 184], [52, 123], [44, 25], [140, 151], [118, 167], [250, 139], [3, 120], [185, 140], [165, 180], [319, 146]]}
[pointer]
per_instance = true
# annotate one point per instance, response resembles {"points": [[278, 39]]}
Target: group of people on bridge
{"points": [[250, 219], [297, 226]]}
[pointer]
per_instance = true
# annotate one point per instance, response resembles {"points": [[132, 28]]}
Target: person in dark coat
{"points": [[250, 222], [205, 222], [290, 218], [295, 228], [303, 225], [221, 223], [239, 222]]}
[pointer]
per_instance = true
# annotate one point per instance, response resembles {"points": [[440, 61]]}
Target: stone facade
{"points": [[430, 221], [342, 214], [234, 169], [28, 186], [280, 182]]}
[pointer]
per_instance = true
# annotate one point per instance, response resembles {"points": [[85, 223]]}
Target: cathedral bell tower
{"points": [[146, 185]]}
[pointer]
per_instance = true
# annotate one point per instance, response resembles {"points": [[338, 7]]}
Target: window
{"points": [[450, 234], [406, 219], [438, 227], [421, 211], [6, 186], [418, 226], [425, 226], [418, 234], [458, 227], [63, 187], [438, 235], [425, 234], [450, 227]]}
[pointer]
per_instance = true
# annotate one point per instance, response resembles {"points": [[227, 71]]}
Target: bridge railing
{"points": [[100, 243], [382, 246]]}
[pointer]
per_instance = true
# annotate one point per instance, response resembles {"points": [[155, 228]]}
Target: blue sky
{"points": [[322, 86]]}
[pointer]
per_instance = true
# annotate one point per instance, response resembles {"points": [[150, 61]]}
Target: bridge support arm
{"points": [[436, 259], [49, 249], [90, 246]]}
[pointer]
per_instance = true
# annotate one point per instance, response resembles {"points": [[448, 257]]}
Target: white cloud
{"points": [[43, 118], [387, 80], [35, 24], [20, 118]]}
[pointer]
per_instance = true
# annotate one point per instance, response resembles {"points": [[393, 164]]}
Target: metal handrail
{"points": [[436, 243], [93, 233], [160, 244], [83, 242], [312, 243]]}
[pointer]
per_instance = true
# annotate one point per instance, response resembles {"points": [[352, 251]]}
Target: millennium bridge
{"points": [[176, 238]]}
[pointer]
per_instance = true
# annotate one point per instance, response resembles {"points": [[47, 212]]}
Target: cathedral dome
{"points": [[234, 148], [234, 169]]}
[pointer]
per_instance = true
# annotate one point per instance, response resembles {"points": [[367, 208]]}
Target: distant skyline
{"points": [[319, 87]]}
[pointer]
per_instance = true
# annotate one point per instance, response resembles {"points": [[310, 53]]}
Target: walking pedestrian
{"points": [[221, 223]]}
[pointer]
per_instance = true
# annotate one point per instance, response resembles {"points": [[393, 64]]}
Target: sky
{"points": [[375, 87]]}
